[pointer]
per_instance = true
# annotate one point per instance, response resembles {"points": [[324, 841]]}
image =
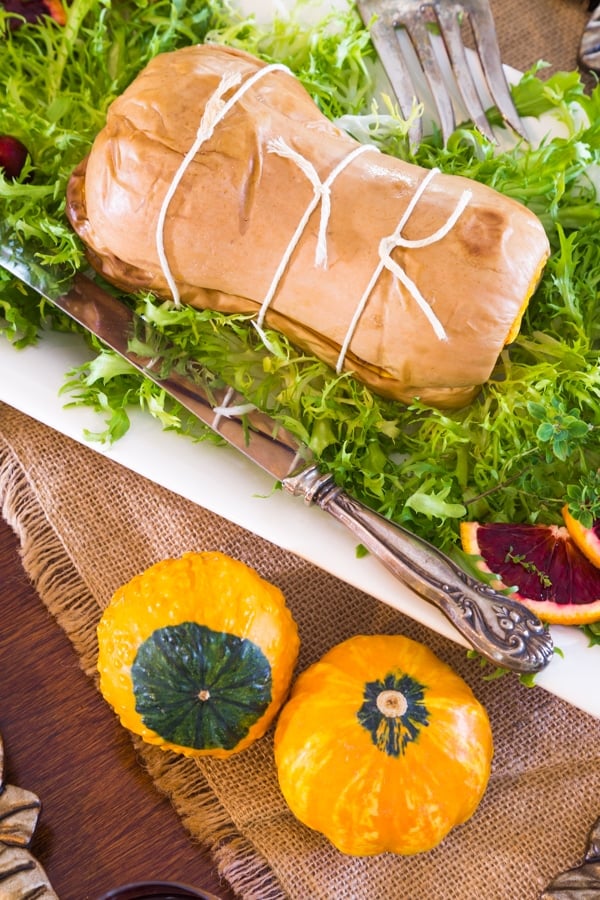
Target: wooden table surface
{"points": [[103, 823]]}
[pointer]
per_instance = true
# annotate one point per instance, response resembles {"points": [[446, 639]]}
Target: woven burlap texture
{"points": [[86, 525], [533, 30]]}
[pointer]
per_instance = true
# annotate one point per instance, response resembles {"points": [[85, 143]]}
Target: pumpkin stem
{"points": [[204, 694], [392, 704]]}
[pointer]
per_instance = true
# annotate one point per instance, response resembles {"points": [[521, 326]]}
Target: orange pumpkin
{"points": [[196, 654], [382, 747]]}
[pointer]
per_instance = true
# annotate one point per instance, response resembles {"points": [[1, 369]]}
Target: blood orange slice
{"points": [[550, 573], [587, 539]]}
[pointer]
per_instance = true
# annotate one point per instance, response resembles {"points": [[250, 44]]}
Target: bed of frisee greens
{"points": [[530, 440]]}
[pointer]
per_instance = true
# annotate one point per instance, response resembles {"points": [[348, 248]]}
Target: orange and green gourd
{"points": [[382, 747], [196, 654]]}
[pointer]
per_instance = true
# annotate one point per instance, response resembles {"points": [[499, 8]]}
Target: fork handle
{"points": [[502, 630]]}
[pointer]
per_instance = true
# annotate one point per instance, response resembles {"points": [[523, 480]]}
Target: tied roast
{"points": [[217, 182]]}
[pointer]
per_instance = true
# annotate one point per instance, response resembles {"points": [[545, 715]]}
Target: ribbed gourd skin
{"points": [[382, 747], [196, 654]]}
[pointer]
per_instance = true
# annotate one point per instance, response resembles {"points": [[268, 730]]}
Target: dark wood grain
{"points": [[103, 823]]}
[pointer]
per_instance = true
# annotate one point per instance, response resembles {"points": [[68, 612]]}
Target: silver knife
{"points": [[502, 630]]}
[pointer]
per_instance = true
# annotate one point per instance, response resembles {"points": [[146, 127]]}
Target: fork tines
{"points": [[443, 62]]}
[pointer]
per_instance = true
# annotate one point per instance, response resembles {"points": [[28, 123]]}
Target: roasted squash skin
{"points": [[196, 654], [382, 747]]}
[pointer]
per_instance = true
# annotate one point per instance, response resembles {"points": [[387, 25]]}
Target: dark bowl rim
{"points": [[154, 885]]}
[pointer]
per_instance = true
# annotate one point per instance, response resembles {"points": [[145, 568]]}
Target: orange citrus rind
{"points": [[587, 539]]}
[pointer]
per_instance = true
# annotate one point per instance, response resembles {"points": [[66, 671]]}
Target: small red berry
{"points": [[13, 154]]}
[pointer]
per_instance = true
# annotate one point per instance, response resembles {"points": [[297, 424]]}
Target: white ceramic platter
{"points": [[224, 482]]}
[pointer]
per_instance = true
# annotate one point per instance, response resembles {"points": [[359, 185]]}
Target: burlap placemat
{"points": [[532, 30], [86, 524]]}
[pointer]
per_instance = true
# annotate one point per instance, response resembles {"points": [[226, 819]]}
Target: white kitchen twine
{"points": [[228, 410], [386, 245], [321, 195], [215, 110]]}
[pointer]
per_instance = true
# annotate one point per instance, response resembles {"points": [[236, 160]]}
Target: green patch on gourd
{"points": [[200, 688], [394, 712]]}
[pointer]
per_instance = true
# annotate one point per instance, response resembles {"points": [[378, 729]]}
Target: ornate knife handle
{"points": [[502, 630]]}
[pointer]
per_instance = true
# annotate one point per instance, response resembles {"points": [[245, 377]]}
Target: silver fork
{"points": [[441, 61], [589, 49]]}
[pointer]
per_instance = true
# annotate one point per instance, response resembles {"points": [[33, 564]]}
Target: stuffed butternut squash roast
{"points": [[217, 182]]}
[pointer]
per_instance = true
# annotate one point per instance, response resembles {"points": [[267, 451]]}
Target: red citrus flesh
{"points": [[550, 573]]}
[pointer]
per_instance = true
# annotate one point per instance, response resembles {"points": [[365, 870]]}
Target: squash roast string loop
{"points": [[321, 195], [216, 109], [387, 245]]}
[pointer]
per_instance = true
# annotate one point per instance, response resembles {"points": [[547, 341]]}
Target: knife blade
{"points": [[502, 630], [97, 311]]}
